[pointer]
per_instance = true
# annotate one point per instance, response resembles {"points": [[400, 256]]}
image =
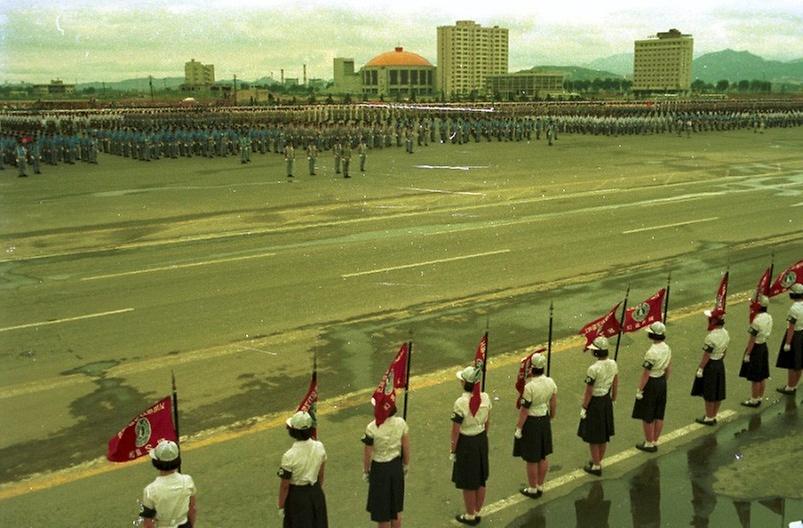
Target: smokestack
{"points": [[305, 75], [282, 77]]}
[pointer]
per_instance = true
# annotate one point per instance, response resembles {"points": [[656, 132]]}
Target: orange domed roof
{"points": [[398, 57]]}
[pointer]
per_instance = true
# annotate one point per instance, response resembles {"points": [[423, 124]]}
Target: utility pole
{"points": [[150, 83], [235, 88]]}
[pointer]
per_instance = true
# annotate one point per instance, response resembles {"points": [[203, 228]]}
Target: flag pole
{"points": [[621, 322], [175, 411], [549, 341], [485, 363], [407, 378], [666, 298]]}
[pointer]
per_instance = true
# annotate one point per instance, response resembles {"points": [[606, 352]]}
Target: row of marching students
{"points": [[169, 501], [387, 446]]}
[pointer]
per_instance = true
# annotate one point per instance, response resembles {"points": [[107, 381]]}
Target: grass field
{"points": [[116, 274]]}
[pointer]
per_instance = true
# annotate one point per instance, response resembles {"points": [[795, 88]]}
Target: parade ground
{"points": [[232, 277]]}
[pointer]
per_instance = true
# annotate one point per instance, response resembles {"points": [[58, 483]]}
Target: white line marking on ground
{"points": [[451, 167], [688, 222], [418, 264], [245, 348], [501, 504], [442, 191], [798, 204], [176, 266], [65, 320]]}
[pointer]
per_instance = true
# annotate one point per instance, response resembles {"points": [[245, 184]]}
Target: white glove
{"points": [[517, 434], [365, 476], [406, 469], [787, 347], [699, 373], [582, 413], [452, 457], [746, 359], [639, 394], [281, 513]]}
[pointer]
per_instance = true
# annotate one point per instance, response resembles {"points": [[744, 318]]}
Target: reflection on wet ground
{"points": [[745, 475]]}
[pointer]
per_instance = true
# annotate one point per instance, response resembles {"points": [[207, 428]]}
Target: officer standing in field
{"points": [[710, 378], [596, 415], [755, 363], [289, 158], [469, 446], [386, 458], [168, 501], [302, 503], [791, 354], [312, 156], [337, 151], [21, 154], [650, 405], [362, 151], [533, 437], [346, 156]]}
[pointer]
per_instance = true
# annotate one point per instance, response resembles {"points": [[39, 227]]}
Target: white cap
{"points": [[300, 420], [165, 451], [599, 343], [469, 374], [763, 300], [538, 361], [796, 288], [658, 328]]}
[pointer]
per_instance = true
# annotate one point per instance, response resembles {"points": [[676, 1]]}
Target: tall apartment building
{"points": [[467, 54], [197, 74], [662, 64]]}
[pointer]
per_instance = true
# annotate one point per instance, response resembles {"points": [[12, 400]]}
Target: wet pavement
{"points": [[745, 475]]}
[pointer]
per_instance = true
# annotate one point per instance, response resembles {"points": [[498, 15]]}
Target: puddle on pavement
{"points": [[744, 476]]}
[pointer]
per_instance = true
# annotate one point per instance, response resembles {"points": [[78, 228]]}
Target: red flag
{"points": [[607, 325], [786, 279], [722, 298], [143, 433], [762, 288], [479, 363], [524, 368], [646, 313], [309, 403], [384, 397]]}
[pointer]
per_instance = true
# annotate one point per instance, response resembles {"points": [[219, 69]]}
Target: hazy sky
{"points": [[88, 40]]}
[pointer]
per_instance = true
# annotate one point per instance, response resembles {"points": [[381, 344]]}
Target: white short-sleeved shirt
{"points": [[795, 315], [461, 413], [169, 496], [761, 327], [657, 359], [386, 439], [302, 462], [716, 343], [536, 395], [601, 375]]}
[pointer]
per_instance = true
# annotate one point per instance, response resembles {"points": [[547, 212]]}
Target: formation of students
{"points": [[170, 500]]}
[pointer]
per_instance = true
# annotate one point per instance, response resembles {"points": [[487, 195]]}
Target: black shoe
{"points": [[749, 403], [703, 421], [462, 519], [647, 449], [784, 390], [533, 495], [591, 471]]}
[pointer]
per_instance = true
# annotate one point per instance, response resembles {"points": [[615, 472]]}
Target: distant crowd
{"points": [[29, 139]]}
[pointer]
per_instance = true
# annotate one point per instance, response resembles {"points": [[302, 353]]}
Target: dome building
{"points": [[398, 73]]}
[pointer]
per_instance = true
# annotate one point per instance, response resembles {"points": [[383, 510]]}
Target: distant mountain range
{"points": [[712, 67], [576, 73], [134, 85]]}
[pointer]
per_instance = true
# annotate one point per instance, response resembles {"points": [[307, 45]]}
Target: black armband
{"points": [[647, 365], [752, 331], [147, 513], [456, 418], [590, 380], [708, 348], [792, 319], [367, 440], [526, 404], [284, 474]]}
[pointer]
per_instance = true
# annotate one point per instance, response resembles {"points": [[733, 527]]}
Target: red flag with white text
{"points": [[645, 313], [786, 279], [479, 363], [309, 403], [721, 301], [384, 397], [524, 368], [143, 432], [607, 325], [762, 288]]}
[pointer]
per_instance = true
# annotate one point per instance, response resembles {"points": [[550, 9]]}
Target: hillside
{"points": [[575, 73], [743, 65]]}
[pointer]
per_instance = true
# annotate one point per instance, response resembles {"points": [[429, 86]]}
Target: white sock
{"points": [[469, 516], [649, 444], [539, 488], [596, 466]]}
